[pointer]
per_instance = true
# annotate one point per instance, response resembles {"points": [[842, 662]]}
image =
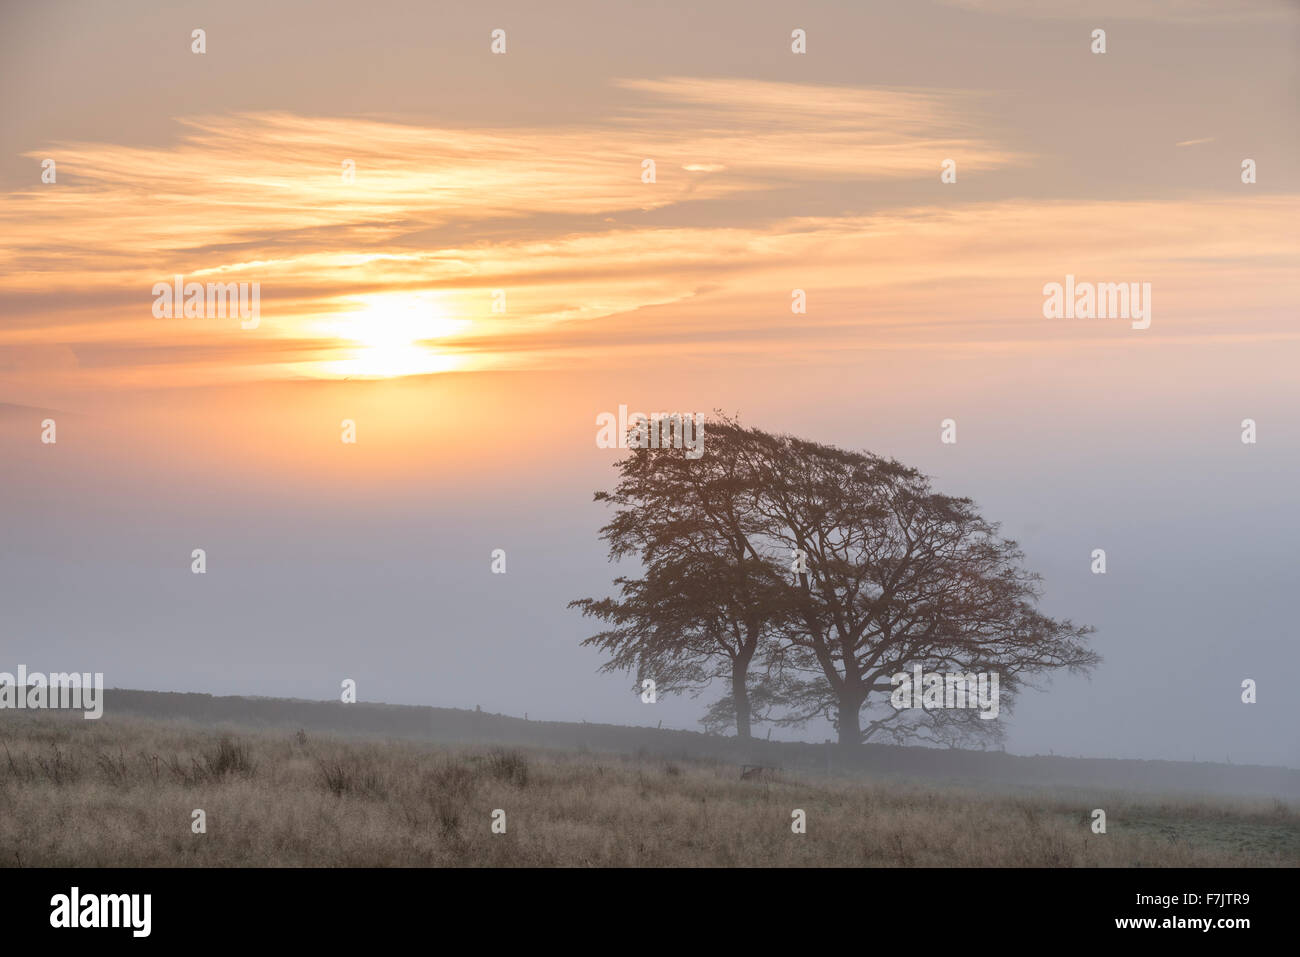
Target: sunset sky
{"points": [[522, 172]]}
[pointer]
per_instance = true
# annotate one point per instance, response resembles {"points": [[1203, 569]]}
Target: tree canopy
{"points": [[812, 578]]}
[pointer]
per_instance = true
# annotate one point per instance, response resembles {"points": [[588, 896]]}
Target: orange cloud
{"points": [[394, 272]]}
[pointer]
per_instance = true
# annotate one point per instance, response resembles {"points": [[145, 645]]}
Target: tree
{"points": [[896, 575], [836, 571], [709, 603]]}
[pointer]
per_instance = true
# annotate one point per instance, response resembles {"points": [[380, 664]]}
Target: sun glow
{"points": [[389, 336]]}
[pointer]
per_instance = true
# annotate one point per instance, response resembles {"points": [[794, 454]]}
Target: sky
{"points": [[457, 251]]}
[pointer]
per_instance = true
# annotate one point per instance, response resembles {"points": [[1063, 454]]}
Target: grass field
{"points": [[122, 792]]}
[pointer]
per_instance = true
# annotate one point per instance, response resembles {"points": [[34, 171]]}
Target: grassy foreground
{"points": [[122, 792]]}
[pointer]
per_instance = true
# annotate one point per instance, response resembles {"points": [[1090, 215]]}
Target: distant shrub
{"points": [[508, 765], [229, 757], [341, 777], [60, 767], [451, 781], [448, 820], [113, 768]]}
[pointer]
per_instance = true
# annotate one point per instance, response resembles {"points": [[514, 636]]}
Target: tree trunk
{"points": [[850, 720], [740, 696]]}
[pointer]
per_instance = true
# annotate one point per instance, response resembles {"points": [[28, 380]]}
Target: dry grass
{"points": [[121, 792]]}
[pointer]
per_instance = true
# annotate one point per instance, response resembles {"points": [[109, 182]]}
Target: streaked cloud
{"points": [[394, 273]]}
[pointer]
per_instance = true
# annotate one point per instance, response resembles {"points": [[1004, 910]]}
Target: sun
{"points": [[387, 336]]}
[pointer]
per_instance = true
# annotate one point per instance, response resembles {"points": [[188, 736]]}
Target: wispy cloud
{"points": [[560, 221]]}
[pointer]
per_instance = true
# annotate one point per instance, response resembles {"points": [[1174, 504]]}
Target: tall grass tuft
{"points": [[508, 765]]}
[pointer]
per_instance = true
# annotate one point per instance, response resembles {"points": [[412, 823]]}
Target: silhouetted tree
{"points": [[896, 575], [708, 603], [835, 570]]}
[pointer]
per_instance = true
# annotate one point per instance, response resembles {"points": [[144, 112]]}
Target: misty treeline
{"points": [[805, 577]]}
